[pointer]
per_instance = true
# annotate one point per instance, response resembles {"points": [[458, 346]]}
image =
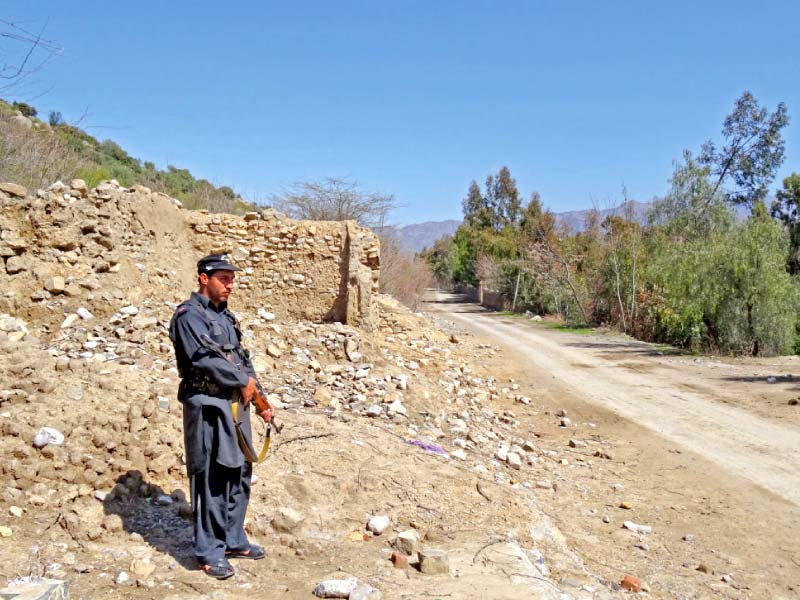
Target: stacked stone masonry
{"points": [[67, 240]]}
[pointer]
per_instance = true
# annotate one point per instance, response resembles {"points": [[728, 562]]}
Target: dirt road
{"points": [[705, 449], [630, 379]]}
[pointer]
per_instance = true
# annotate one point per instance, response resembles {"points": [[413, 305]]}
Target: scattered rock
{"points": [[287, 520], [84, 313], [378, 524], [335, 588], [645, 529], [142, 568], [13, 189], [35, 588], [631, 583], [400, 560], [55, 285], [364, 591], [433, 561], [407, 541]]}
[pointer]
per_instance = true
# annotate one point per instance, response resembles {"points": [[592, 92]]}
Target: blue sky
{"points": [[416, 98]]}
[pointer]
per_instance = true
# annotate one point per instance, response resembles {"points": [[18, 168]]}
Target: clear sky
{"points": [[417, 98]]}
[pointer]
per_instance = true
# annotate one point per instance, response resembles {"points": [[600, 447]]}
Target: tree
{"points": [[752, 154], [476, 210], [506, 199], [537, 222], [787, 209], [25, 109], [693, 208], [335, 200]]}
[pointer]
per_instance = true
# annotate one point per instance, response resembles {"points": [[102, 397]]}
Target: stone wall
{"points": [[68, 246], [313, 270]]}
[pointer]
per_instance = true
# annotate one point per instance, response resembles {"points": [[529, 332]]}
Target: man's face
{"points": [[218, 285]]}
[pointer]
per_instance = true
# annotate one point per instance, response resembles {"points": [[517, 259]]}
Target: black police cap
{"points": [[215, 262]]}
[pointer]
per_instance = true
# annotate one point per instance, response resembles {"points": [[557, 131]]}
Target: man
{"points": [[215, 371]]}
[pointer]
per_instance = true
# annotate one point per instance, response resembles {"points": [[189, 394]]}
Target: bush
{"points": [[403, 275]]}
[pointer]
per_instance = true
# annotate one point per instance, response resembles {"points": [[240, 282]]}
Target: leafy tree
{"points": [[752, 153], [502, 199], [758, 308], [477, 212], [787, 209], [693, 208], [505, 199], [537, 223]]}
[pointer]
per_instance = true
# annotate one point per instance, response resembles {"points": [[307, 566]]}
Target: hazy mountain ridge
{"points": [[417, 236]]}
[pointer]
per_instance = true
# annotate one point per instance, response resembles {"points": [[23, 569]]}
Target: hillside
{"points": [[36, 152]]}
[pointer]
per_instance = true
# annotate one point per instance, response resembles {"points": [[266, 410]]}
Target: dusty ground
{"points": [[706, 450]]}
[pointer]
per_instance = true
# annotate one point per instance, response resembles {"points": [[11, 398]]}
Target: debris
{"points": [[631, 583], [428, 447], [335, 588], [287, 520], [645, 529], [433, 561], [48, 435], [35, 588], [378, 524], [407, 541], [399, 560]]}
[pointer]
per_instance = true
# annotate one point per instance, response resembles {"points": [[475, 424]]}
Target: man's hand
{"points": [[267, 413], [248, 392]]}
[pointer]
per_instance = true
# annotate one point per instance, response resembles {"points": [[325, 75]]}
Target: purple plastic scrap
{"points": [[428, 447]]}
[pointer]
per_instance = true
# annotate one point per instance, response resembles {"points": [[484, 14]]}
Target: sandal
{"points": [[221, 569], [253, 552]]}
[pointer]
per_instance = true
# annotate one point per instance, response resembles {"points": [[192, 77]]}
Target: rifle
{"points": [[259, 400]]}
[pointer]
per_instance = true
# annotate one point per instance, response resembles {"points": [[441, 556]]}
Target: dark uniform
{"points": [[213, 367]]}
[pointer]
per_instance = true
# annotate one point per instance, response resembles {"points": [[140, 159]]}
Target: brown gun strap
{"points": [[248, 451]]}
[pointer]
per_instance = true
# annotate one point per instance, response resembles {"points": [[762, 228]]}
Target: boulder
{"points": [[13, 189]]}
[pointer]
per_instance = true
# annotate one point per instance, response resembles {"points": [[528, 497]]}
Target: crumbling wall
{"points": [[68, 247], [311, 270]]}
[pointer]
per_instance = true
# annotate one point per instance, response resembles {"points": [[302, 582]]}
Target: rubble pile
{"points": [[394, 434]]}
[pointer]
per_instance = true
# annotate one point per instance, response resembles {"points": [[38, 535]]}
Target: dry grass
{"points": [[403, 275], [34, 157]]}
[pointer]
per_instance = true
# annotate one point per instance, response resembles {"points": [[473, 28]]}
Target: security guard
{"points": [[215, 371]]}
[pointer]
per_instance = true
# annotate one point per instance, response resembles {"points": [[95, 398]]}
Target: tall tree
{"points": [[477, 213], [506, 199], [753, 151]]}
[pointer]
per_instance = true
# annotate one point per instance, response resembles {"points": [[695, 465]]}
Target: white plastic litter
{"points": [[48, 435]]}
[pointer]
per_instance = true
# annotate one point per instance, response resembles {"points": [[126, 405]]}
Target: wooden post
{"points": [[516, 289]]}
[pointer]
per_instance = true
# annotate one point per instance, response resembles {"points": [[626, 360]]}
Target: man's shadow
{"points": [[144, 509]]}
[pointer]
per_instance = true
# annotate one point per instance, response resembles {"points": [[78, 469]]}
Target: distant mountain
{"points": [[415, 237], [576, 219]]}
